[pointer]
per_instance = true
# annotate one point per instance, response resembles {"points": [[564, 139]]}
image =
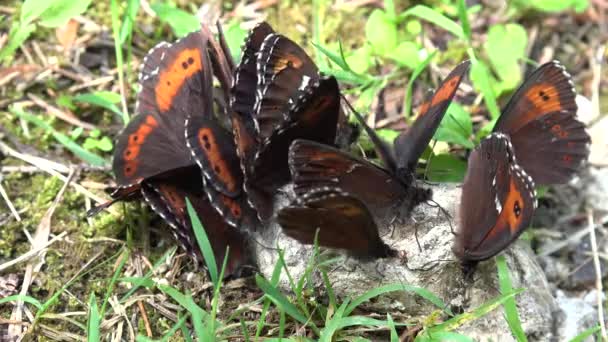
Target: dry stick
{"points": [[49, 167], [58, 113], [31, 252], [9, 203], [40, 239], [598, 274]]}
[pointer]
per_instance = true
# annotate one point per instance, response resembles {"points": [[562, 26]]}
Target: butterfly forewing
{"points": [[410, 145]]}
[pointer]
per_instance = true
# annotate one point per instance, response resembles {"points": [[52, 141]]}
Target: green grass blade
{"points": [[203, 243], [480, 75], [78, 150], [391, 327], [333, 324], [422, 292], [119, 56], [180, 21], [115, 276], [586, 333], [464, 19], [466, 317], [23, 298], [329, 331], [170, 333], [430, 15], [94, 320], [198, 315], [274, 280], [280, 300], [104, 99], [129, 19], [442, 336], [146, 280], [504, 282], [407, 100]]}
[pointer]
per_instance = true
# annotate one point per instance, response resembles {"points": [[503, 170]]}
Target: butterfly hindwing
{"points": [[336, 215]]}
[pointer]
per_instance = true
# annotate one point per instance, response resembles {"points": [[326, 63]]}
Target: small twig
{"points": [[598, 274], [9, 203], [144, 316], [58, 113]]}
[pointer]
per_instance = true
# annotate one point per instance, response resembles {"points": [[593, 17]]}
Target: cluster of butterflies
{"points": [[274, 119]]}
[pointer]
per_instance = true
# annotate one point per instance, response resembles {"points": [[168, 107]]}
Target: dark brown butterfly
{"points": [[497, 202], [291, 101], [540, 119], [152, 157], [313, 165], [343, 222]]}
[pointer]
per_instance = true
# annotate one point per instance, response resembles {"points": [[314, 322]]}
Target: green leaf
{"points": [[203, 243], [360, 60], [381, 32], [406, 54], [430, 15], [391, 327], [235, 37], [505, 47], [559, 5], [446, 168], [586, 333], [456, 127], [180, 21], [511, 315], [442, 336], [32, 9], [94, 320], [480, 75], [104, 99], [61, 11]]}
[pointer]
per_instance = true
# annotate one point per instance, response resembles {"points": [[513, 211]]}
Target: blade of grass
{"points": [[407, 104], [94, 320], [280, 300], [586, 333], [480, 75], [126, 28], [466, 317], [274, 280], [119, 59], [504, 282], [430, 15], [78, 151], [203, 243], [391, 327], [110, 288], [143, 281], [23, 298], [464, 19], [422, 292]]}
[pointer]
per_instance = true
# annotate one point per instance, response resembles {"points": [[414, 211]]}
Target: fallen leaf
{"points": [[66, 34]]}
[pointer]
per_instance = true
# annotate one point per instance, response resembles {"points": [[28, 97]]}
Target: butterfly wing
{"points": [[551, 148], [314, 116], [245, 77], [315, 165], [497, 201], [167, 198], [213, 148], [336, 215], [548, 89], [284, 70], [410, 145], [172, 82]]}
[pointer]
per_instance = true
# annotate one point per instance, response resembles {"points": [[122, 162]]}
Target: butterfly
{"points": [[316, 165], [156, 158], [536, 140], [497, 202], [343, 221], [292, 100]]}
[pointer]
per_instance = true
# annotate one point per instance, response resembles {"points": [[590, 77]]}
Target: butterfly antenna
{"points": [[447, 215]]}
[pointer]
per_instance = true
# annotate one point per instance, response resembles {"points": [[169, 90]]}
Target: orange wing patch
{"points": [[544, 98], [136, 140], [207, 141], [171, 79], [446, 91], [511, 215], [287, 61]]}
